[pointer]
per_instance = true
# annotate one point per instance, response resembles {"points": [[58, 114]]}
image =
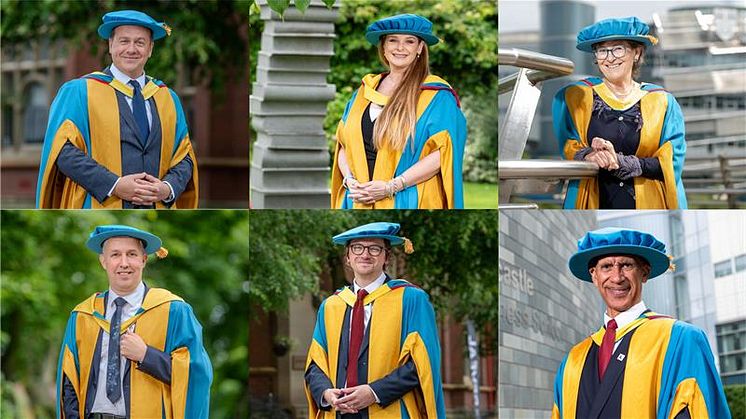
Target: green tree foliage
{"points": [[466, 58], [208, 37], [454, 258], [736, 395], [47, 270]]}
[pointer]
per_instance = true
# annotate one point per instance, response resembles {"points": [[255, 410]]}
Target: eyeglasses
{"points": [[373, 250], [624, 266], [618, 51]]}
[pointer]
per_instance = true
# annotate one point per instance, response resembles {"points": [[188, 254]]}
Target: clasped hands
{"points": [[603, 154], [367, 193], [141, 189], [351, 399]]}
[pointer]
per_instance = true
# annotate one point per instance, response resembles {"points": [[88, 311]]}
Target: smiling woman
{"points": [[400, 143], [633, 131]]}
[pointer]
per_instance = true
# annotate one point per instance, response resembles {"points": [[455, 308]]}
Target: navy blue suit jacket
{"points": [[136, 158], [156, 364], [389, 389]]}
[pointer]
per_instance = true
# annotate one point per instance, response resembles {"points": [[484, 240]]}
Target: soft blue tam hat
{"points": [[380, 230], [628, 28], [407, 24], [102, 233], [132, 17], [619, 241]]}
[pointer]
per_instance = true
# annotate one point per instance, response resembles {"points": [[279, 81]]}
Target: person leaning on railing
{"points": [[400, 143], [633, 131]]}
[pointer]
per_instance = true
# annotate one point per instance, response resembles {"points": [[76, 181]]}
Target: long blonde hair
{"points": [[399, 117]]}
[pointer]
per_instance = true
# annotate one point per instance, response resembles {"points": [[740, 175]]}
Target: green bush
{"points": [[736, 396]]}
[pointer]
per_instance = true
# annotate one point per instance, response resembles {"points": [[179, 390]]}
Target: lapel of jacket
{"points": [[613, 374]]}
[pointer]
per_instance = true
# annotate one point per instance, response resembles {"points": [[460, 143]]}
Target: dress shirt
{"points": [[626, 317], [101, 403]]}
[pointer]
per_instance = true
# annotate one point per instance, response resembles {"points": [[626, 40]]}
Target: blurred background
{"points": [[700, 59], [47, 270], [294, 266], [308, 64], [46, 43], [545, 310]]}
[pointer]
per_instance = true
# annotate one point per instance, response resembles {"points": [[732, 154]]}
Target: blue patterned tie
{"points": [[113, 376], [138, 110]]}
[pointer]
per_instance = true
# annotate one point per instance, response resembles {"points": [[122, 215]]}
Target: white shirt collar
{"points": [[125, 79], [372, 286], [626, 317], [134, 299]]}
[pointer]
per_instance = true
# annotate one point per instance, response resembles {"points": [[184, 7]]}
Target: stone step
{"points": [[301, 141], [317, 198], [297, 92], [293, 62], [288, 124], [297, 43], [277, 158], [266, 75], [289, 178], [261, 107]]}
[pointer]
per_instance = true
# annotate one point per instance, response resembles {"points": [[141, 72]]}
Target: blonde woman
{"points": [[400, 143]]}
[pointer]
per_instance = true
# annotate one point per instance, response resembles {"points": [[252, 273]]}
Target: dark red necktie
{"points": [[356, 337], [607, 347]]}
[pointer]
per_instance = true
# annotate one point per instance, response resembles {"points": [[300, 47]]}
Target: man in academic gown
{"points": [[639, 364], [375, 351], [118, 138], [132, 351]]}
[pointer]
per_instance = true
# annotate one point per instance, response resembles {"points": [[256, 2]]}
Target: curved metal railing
{"points": [[525, 85]]}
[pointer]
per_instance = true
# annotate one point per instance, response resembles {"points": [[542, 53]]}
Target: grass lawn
{"points": [[480, 195]]}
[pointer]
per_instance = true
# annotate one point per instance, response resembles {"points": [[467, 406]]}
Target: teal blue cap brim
{"points": [[429, 39], [587, 46], [152, 242], [104, 31], [578, 263], [393, 240]]}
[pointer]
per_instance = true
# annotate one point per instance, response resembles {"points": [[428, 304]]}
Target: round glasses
{"points": [[373, 250], [618, 51]]}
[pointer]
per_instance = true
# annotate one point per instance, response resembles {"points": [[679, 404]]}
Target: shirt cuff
{"points": [[171, 195], [324, 403], [378, 401], [111, 191]]}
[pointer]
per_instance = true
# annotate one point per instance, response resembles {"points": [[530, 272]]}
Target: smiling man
{"points": [[119, 138], [375, 350], [639, 363], [132, 351]]}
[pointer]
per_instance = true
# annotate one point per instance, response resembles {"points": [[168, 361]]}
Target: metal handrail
{"points": [[542, 67], [546, 169], [535, 61]]}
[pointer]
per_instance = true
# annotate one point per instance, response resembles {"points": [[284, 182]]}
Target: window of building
{"points": [[723, 268], [35, 112], [740, 262]]}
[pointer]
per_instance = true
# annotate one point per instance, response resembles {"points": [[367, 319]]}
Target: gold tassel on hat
{"points": [[671, 265], [161, 252], [408, 247], [168, 33]]}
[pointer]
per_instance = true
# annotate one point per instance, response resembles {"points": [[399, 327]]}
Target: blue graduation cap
{"points": [[407, 23], [628, 28], [379, 230], [132, 17], [619, 241], [102, 233]]}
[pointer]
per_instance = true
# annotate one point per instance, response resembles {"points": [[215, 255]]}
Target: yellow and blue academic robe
{"points": [[440, 126], [662, 136], [86, 112], [166, 323], [401, 329], [662, 368]]}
